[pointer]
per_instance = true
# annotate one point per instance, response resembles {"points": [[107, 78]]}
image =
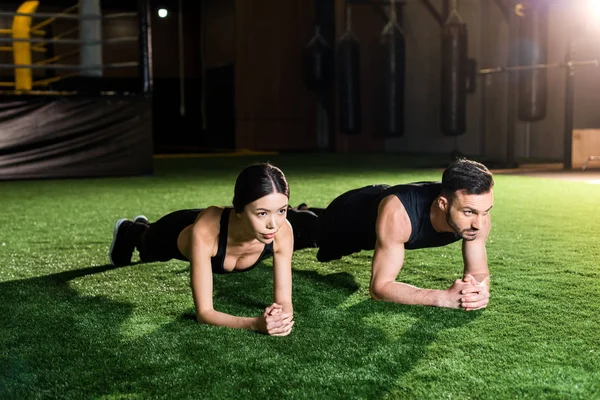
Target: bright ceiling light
{"points": [[162, 12], [593, 11]]}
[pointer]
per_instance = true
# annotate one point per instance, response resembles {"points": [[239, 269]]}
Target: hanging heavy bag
{"points": [[454, 79], [533, 50], [389, 100], [349, 94], [317, 61]]}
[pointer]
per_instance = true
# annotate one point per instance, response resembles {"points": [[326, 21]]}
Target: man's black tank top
{"points": [[348, 224], [417, 199], [219, 258]]}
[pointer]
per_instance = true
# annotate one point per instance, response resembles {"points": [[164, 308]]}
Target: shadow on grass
{"points": [[335, 351], [59, 343], [55, 341], [409, 332]]}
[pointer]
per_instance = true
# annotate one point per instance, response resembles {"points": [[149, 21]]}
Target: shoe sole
{"points": [[112, 245], [142, 219]]}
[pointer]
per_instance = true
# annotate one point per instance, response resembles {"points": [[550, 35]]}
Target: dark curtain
{"points": [[75, 137]]}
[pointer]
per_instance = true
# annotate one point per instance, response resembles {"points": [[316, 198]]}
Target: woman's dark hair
{"points": [[466, 175], [256, 181]]}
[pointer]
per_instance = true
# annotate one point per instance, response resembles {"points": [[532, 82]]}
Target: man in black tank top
{"points": [[392, 219]]}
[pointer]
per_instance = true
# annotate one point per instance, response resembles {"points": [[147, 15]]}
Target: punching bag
{"points": [[389, 100], [317, 62], [454, 79], [533, 50], [348, 66]]}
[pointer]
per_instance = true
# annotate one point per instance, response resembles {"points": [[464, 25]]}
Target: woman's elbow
{"points": [[204, 316]]}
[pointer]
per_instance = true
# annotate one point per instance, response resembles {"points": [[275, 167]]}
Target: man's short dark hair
{"points": [[468, 176]]}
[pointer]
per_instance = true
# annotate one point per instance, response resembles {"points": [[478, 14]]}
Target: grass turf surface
{"points": [[73, 327]]}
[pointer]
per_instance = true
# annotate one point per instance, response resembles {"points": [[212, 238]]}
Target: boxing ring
{"points": [[63, 111]]}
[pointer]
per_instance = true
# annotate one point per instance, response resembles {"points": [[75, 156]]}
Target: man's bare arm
{"points": [[393, 230], [475, 260], [476, 269]]}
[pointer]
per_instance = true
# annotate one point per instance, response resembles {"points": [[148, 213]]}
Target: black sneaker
{"points": [[121, 248], [144, 256], [305, 226]]}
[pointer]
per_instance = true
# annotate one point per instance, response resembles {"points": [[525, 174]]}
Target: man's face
{"points": [[468, 214]]}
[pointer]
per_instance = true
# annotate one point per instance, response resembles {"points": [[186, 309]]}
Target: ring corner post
{"points": [[22, 49], [90, 28]]}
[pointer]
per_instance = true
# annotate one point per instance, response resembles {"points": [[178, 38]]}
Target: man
{"points": [[304, 224], [391, 220]]}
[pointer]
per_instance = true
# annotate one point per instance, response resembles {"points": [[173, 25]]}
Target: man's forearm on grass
{"points": [[403, 293]]}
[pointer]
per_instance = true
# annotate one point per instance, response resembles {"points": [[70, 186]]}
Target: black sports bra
{"points": [[218, 260]]}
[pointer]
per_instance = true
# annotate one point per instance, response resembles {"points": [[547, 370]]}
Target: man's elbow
{"points": [[376, 291]]}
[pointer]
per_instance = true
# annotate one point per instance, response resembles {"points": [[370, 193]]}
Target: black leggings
{"points": [[316, 210], [158, 242]]}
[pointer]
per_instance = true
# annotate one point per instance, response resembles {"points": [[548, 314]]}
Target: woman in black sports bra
{"points": [[223, 240]]}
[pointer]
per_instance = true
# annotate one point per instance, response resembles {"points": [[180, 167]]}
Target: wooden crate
{"points": [[586, 143]]}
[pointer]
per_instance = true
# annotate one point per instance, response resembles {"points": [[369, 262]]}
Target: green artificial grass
{"points": [[73, 327]]}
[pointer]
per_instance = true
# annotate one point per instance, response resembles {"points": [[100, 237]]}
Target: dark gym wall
{"points": [[174, 132], [218, 41], [256, 98], [274, 110], [542, 140], [545, 138], [422, 80], [422, 77], [219, 32], [367, 22], [487, 124], [165, 40]]}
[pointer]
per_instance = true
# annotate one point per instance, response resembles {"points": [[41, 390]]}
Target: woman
{"points": [[223, 240]]}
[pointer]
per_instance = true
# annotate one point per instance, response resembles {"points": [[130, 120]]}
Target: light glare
{"points": [[593, 11], [162, 12]]}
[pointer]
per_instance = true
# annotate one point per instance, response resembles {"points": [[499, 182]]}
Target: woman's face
{"points": [[266, 216]]}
